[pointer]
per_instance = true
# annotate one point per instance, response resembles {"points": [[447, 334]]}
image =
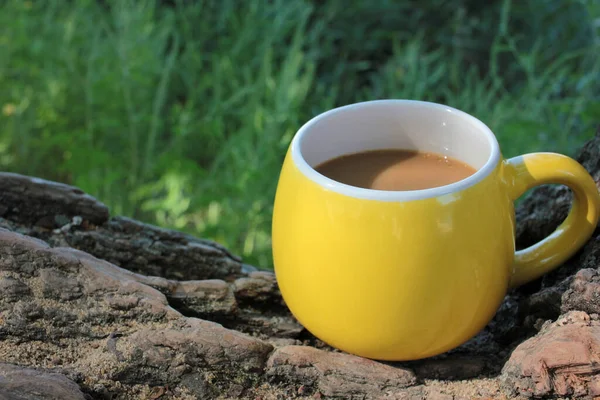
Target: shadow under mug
{"points": [[404, 275]]}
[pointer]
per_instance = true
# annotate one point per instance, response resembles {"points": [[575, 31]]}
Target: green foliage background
{"points": [[179, 112]]}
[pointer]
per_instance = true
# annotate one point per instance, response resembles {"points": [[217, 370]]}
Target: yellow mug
{"points": [[405, 275]]}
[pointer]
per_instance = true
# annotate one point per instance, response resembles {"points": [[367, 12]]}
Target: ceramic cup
{"points": [[404, 275]]}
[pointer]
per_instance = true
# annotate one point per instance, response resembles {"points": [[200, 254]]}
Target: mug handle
{"points": [[523, 173]]}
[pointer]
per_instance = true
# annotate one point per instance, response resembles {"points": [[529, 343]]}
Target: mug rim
{"points": [[394, 195]]}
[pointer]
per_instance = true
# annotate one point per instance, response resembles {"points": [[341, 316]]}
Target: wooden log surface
{"points": [[99, 307]]}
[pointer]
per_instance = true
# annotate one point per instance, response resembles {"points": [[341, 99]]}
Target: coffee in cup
{"points": [[395, 169]]}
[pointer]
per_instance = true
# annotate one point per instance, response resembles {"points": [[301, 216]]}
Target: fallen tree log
{"points": [[101, 307]]}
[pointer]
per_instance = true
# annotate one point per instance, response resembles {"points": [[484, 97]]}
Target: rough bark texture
{"points": [[94, 307], [38, 202], [18, 383], [141, 247], [336, 374], [563, 359]]}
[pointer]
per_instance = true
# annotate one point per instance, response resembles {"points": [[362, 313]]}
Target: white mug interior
{"points": [[395, 124]]}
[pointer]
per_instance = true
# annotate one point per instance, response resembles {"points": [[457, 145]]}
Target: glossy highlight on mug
{"points": [[403, 275]]}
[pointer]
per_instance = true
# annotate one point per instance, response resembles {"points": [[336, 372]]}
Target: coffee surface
{"points": [[395, 169]]}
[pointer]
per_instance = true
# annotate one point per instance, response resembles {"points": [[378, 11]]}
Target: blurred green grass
{"points": [[179, 112]]}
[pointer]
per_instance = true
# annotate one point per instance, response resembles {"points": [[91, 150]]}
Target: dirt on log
{"points": [[101, 307]]}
